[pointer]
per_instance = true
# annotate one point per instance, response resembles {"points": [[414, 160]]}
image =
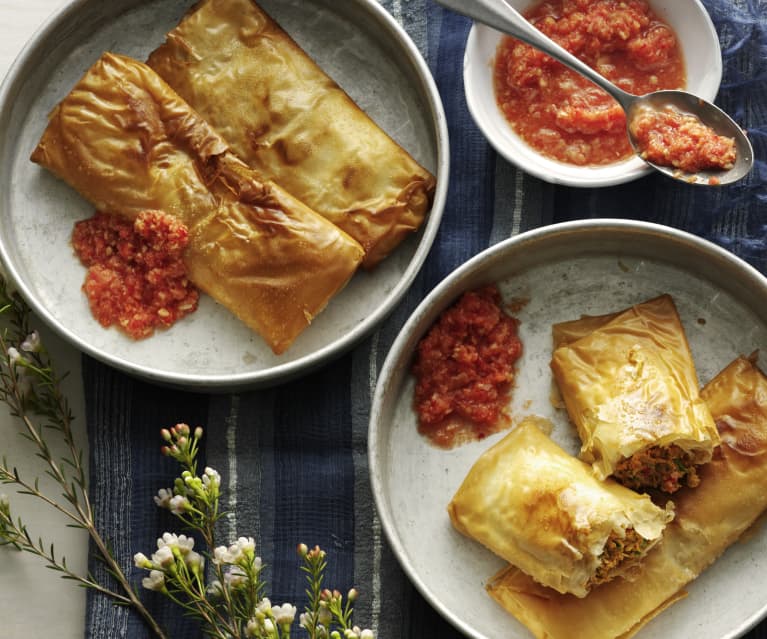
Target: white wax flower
{"points": [[163, 557], [163, 497], [284, 614], [32, 344], [155, 580]]}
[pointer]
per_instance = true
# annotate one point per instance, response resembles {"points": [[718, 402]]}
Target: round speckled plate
{"points": [[210, 350], [564, 271]]}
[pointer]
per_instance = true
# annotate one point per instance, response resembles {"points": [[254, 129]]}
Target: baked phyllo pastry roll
{"points": [[732, 495], [543, 510], [629, 384], [286, 118], [128, 143]]}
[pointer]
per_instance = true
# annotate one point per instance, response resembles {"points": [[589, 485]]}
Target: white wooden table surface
{"points": [[34, 601]]}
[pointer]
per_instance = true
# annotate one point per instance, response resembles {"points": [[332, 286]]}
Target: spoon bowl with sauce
{"points": [[663, 127]]}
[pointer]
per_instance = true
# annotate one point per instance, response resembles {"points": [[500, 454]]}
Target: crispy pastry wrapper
{"points": [[541, 509], [708, 519], [286, 118], [629, 383], [127, 142]]}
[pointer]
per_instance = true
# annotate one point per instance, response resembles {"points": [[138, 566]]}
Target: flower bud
{"points": [[264, 606], [302, 550], [195, 561], [155, 581], [352, 595], [179, 504], [165, 434], [32, 344], [252, 629], [14, 357], [142, 561]]}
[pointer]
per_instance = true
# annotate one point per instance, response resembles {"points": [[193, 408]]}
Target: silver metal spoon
{"points": [[500, 15]]}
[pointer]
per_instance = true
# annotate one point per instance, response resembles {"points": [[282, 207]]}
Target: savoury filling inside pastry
{"points": [[541, 509], [709, 518], [630, 387], [128, 143], [286, 118]]}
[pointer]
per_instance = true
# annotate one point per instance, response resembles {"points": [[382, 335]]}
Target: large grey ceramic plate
{"points": [[355, 41], [564, 271]]}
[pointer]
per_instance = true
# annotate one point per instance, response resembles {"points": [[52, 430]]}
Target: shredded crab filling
{"points": [[666, 468], [616, 552]]}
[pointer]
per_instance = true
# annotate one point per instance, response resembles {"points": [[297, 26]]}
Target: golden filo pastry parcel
{"points": [[732, 495], [127, 142], [630, 386], [284, 116], [543, 510]]}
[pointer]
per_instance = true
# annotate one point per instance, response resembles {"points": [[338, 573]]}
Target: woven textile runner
{"points": [[293, 458]]}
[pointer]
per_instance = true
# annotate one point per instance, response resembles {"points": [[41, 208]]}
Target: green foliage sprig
{"points": [[232, 604], [228, 597], [31, 388]]}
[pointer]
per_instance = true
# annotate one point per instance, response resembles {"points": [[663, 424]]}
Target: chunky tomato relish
{"points": [[561, 114], [680, 140], [464, 370], [136, 276]]}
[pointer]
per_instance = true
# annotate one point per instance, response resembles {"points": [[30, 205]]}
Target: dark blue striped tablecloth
{"points": [[293, 457]]}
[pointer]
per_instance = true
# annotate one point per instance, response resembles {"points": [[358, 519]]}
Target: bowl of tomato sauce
{"points": [[555, 124]]}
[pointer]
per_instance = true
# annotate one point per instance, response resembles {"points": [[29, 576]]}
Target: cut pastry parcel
{"points": [[732, 495], [630, 386], [538, 507]]}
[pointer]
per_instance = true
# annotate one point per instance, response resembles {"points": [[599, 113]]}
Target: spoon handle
{"points": [[500, 15]]}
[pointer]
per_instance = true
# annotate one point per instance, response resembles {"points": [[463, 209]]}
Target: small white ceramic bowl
{"points": [[703, 62]]}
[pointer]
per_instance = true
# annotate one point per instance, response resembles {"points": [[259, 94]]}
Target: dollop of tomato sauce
{"points": [[680, 140], [561, 114], [136, 277], [464, 370]]}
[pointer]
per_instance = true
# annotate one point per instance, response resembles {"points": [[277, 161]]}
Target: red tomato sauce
{"points": [[464, 370], [561, 114], [670, 138], [136, 276]]}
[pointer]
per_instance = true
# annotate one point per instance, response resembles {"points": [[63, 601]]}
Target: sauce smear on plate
{"points": [[464, 370], [136, 276], [561, 114]]}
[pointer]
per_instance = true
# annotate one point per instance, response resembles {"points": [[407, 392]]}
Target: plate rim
{"points": [[270, 376], [396, 361]]}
